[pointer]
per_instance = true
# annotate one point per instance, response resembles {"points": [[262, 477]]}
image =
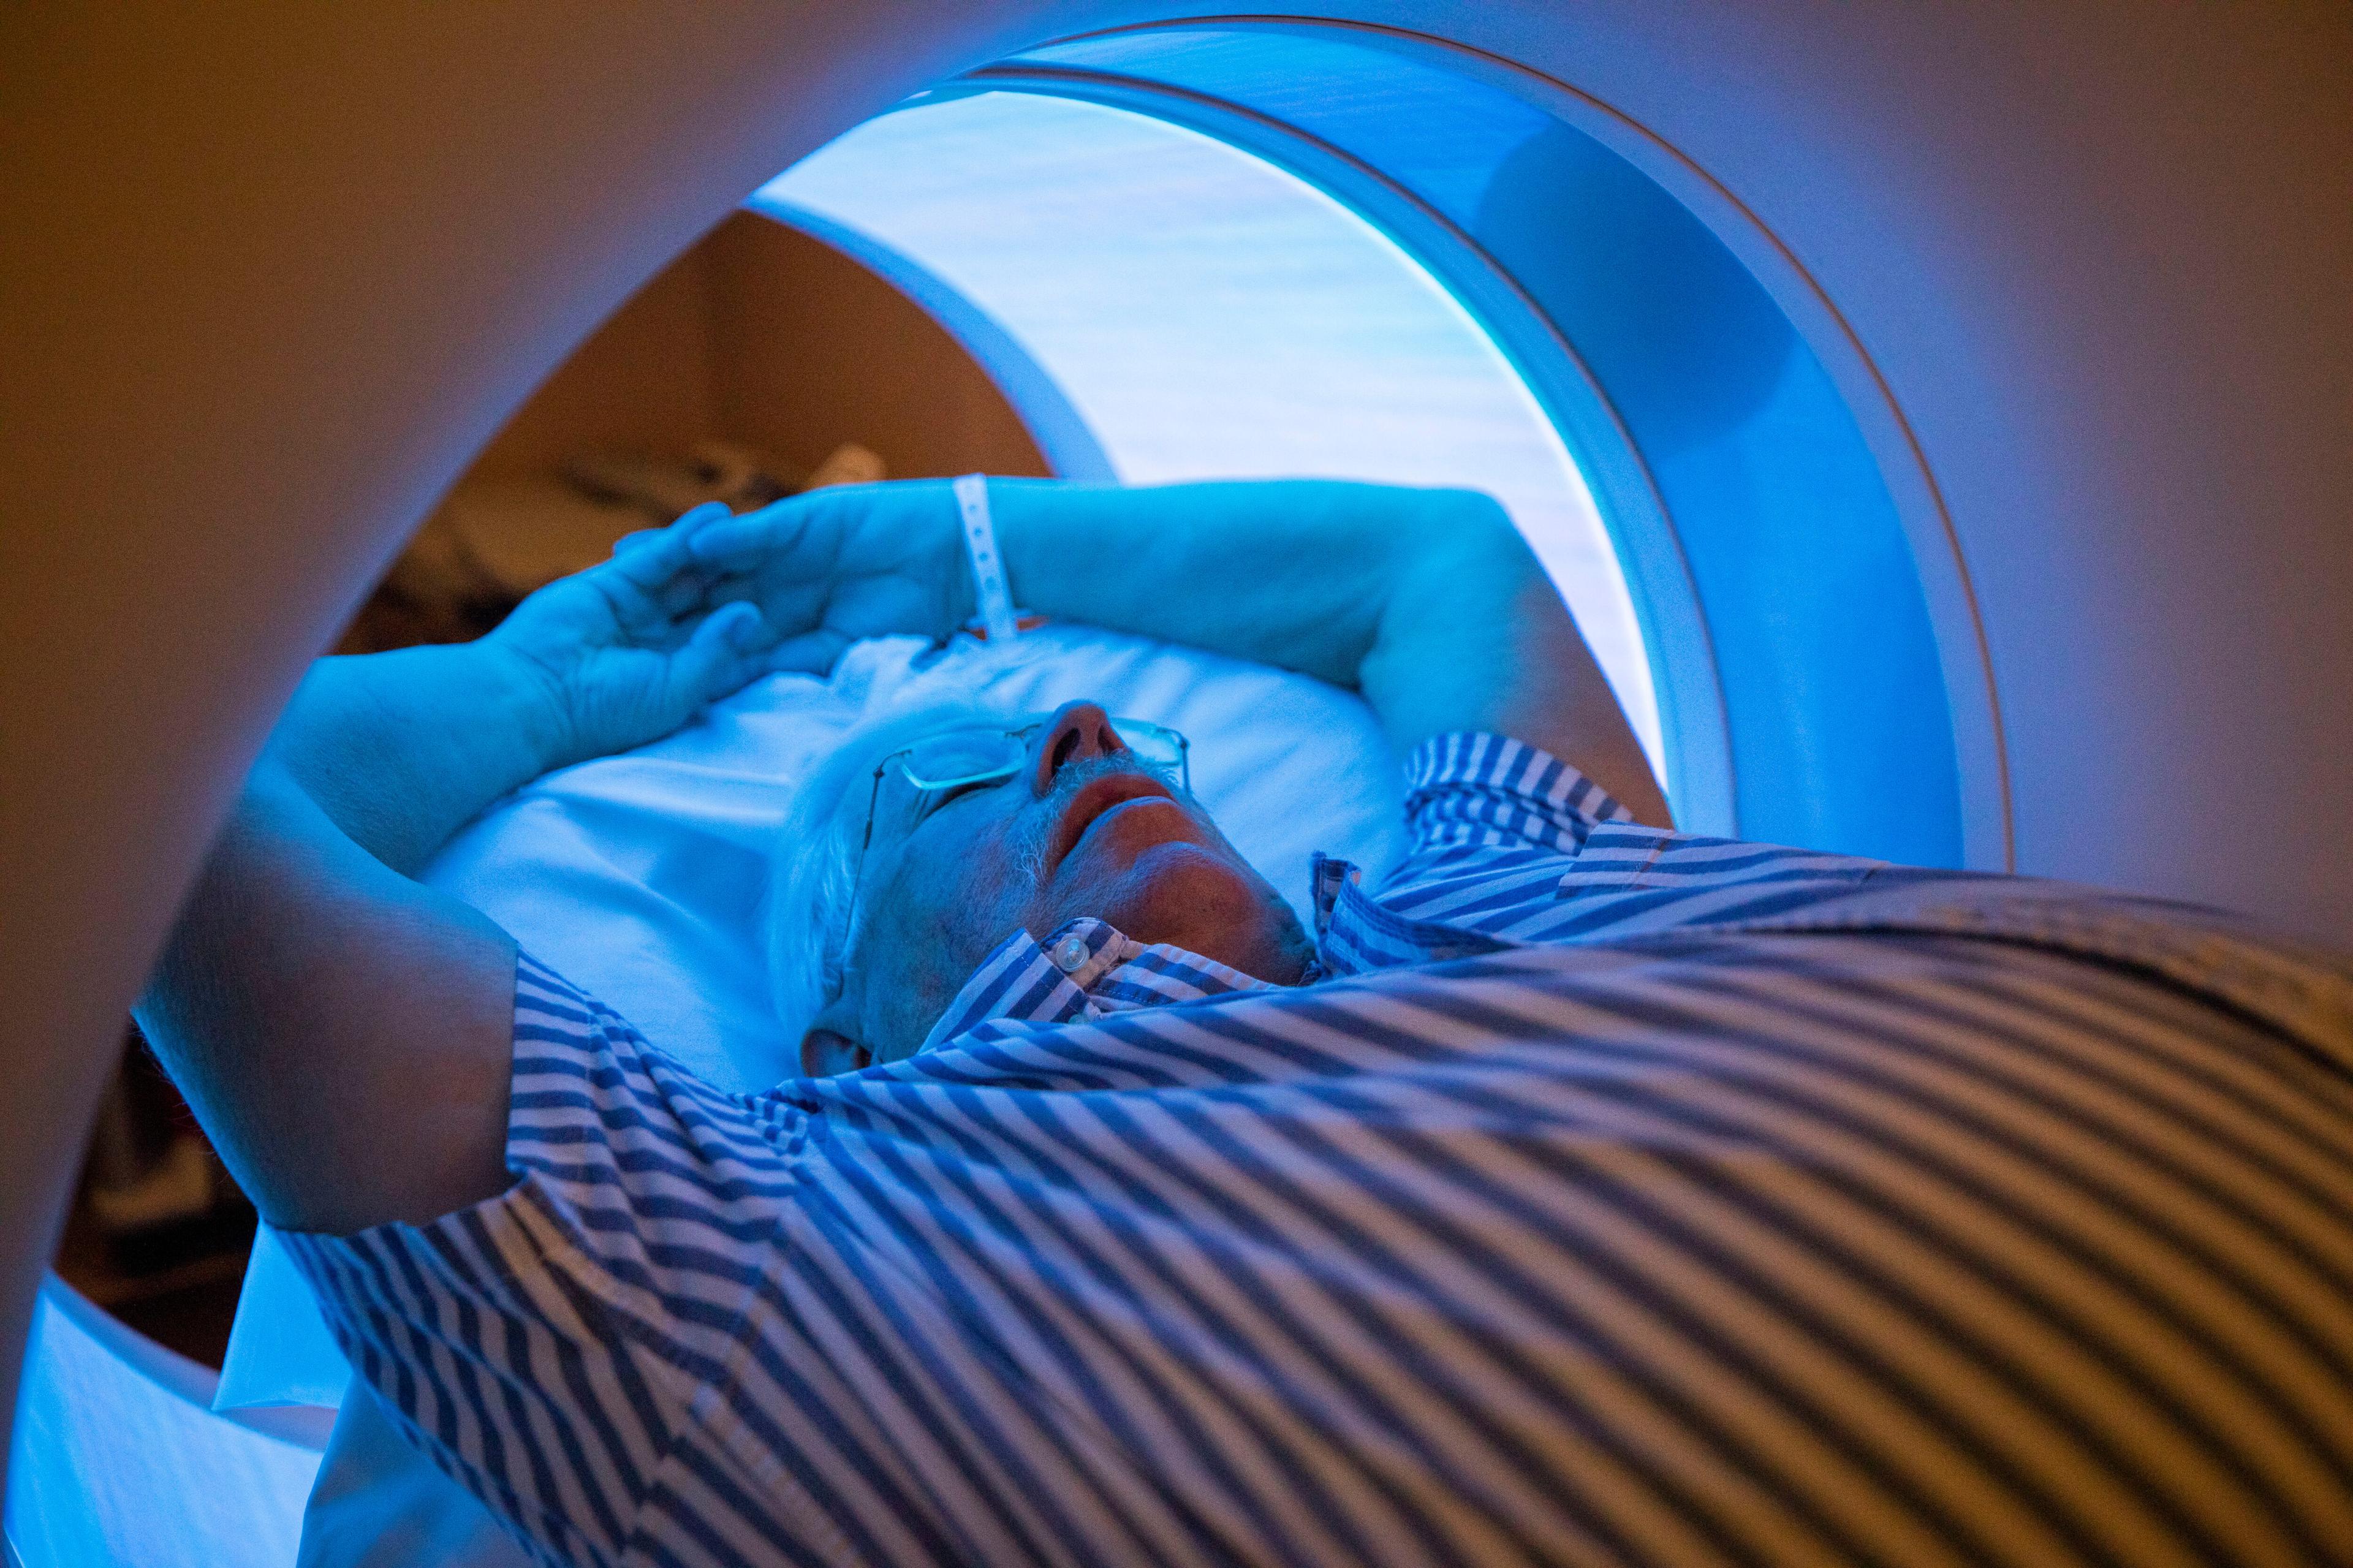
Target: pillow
{"points": [[639, 876]]}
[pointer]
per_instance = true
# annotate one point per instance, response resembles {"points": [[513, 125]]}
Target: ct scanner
{"points": [[1965, 391]]}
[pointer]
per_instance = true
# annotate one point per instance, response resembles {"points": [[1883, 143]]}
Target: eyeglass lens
{"points": [[961, 756], [967, 756]]}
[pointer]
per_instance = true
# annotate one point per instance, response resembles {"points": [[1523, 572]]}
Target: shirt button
{"points": [[1071, 955]]}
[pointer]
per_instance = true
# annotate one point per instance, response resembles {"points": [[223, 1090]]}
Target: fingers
{"points": [[696, 518], [755, 538], [811, 652], [684, 525], [654, 555], [734, 647], [652, 573], [727, 651]]}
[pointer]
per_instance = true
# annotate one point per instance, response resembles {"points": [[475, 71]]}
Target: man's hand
{"points": [[628, 650], [838, 565], [402, 749]]}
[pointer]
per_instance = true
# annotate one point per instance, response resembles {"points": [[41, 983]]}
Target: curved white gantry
{"points": [[1516, 245]]}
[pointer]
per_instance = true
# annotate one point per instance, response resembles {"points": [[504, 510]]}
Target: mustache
{"points": [[1038, 830]]}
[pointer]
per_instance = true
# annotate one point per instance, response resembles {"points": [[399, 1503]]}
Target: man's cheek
{"points": [[990, 897]]}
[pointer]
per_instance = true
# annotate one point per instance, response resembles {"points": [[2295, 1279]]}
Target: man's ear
{"points": [[824, 1052], [828, 1047]]}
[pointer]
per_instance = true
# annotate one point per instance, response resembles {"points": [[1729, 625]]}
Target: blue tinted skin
{"points": [[344, 1032], [1084, 829]]}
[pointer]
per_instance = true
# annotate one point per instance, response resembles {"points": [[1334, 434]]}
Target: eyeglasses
{"points": [[944, 766]]}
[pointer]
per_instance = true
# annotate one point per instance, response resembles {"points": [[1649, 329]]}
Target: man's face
{"points": [[1084, 829]]}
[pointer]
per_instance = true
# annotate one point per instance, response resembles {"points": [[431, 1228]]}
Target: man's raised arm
{"points": [[1427, 602], [345, 1033]]}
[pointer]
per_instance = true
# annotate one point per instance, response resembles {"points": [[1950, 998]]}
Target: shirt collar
{"points": [[1085, 970]]}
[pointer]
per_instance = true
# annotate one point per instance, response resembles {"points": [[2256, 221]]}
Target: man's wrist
{"points": [[957, 591], [992, 595], [537, 707]]}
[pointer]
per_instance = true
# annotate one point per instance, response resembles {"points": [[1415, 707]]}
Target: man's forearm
{"points": [[401, 750], [1427, 602], [1295, 572]]}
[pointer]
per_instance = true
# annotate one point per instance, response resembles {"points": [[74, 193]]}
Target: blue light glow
{"points": [[1208, 315]]}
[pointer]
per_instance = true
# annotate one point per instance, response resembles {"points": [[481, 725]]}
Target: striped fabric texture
{"points": [[1618, 1196]]}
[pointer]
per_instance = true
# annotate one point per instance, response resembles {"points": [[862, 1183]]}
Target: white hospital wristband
{"points": [[991, 597]]}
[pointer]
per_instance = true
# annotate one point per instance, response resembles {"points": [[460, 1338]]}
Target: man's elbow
{"points": [[1464, 540]]}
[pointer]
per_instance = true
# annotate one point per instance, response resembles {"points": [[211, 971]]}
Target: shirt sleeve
{"points": [[547, 1347], [1501, 828], [1470, 789]]}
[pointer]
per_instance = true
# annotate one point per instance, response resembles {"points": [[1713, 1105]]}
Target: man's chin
{"points": [[1194, 897]]}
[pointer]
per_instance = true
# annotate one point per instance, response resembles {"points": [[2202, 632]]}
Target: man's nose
{"points": [[1078, 731]]}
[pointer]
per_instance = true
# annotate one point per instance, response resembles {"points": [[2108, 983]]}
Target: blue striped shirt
{"points": [[1618, 1195]]}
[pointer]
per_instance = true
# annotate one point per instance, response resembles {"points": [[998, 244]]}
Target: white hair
{"points": [[813, 876]]}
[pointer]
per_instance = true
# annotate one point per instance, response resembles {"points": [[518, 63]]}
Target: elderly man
{"points": [[1583, 1192]]}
